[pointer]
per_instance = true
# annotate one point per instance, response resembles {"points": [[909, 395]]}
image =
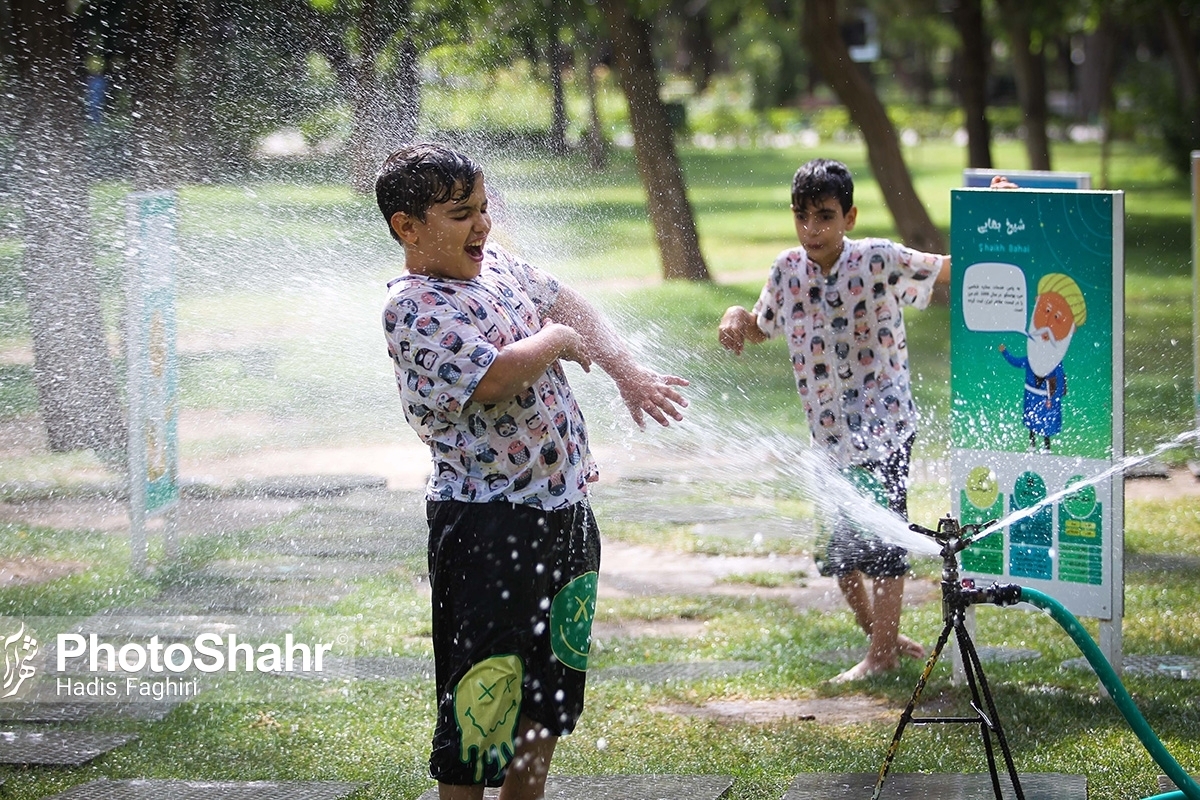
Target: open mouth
{"points": [[475, 251]]}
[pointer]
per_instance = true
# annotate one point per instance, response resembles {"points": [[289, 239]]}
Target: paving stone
{"points": [[209, 790], [988, 654], [299, 568], [750, 527], [242, 597], [151, 711], [627, 787], [692, 513], [943, 786], [676, 671], [1169, 666], [289, 486], [42, 702], [134, 624], [342, 543], [57, 748], [368, 668], [1165, 784]]}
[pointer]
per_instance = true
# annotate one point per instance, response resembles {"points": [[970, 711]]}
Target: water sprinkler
{"points": [[957, 595]]}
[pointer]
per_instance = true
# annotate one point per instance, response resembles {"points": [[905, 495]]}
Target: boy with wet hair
{"points": [[477, 339], [855, 386]]}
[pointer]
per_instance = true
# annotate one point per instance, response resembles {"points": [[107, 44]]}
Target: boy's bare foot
{"points": [[868, 667], [908, 647], [863, 669]]}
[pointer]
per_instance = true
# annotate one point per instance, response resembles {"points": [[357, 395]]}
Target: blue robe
{"points": [[1038, 418]]}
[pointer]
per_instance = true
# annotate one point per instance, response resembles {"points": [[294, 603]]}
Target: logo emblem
{"points": [[20, 649]]}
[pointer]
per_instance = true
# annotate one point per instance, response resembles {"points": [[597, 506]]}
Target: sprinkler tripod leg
{"points": [[980, 695], [907, 715], [988, 723]]}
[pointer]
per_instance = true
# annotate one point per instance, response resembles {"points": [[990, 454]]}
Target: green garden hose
{"points": [[1108, 677]]}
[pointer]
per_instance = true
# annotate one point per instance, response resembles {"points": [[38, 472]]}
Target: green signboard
{"points": [[1036, 377]]}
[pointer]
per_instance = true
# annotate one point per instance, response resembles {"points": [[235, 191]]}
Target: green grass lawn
{"points": [[280, 287]]}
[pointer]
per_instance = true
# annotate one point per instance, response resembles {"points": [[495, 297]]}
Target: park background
{"points": [[269, 120]]}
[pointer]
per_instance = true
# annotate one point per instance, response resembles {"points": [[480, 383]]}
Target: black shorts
{"points": [[514, 594], [849, 551]]}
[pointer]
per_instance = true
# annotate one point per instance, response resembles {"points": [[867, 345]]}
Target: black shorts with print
{"points": [[514, 594], [847, 551]]}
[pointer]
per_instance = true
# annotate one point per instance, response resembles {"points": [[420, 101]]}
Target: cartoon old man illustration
{"points": [[1058, 310]]}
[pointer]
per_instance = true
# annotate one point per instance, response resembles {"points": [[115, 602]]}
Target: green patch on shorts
{"points": [[487, 705], [571, 617]]}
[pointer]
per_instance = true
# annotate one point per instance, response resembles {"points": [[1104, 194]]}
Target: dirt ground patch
{"points": [[24, 571], [845, 710]]}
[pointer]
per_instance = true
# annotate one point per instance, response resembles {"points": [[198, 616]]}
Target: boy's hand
{"points": [[646, 392], [1001, 182], [737, 325], [570, 343]]}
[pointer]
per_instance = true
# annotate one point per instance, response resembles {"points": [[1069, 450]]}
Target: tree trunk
{"points": [[366, 101], [972, 81], [1183, 58], [408, 90], [73, 370], [698, 44], [654, 146], [1029, 69], [832, 58], [1096, 85], [155, 129], [597, 146], [558, 104], [204, 156]]}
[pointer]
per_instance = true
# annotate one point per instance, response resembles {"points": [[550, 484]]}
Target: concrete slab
{"points": [[944, 786], [749, 527], [263, 597], [54, 709], [676, 671], [988, 654], [1166, 666], [1165, 784], [377, 668], [57, 748], [136, 625], [627, 787], [209, 790], [293, 568]]}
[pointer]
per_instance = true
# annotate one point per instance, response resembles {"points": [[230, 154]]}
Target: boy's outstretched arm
{"points": [[519, 364], [644, 391], [737, 326]]}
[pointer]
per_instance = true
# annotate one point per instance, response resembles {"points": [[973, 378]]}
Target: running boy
{"points": [[477, 338], [838, 301]]}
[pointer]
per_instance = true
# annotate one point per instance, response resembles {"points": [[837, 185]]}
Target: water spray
{"points": [[960, 593]]}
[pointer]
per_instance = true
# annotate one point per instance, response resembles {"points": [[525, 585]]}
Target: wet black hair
{"points": [[819, 179], [419, 176]]}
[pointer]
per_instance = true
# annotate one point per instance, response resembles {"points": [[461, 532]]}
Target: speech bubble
{"points": [[994, 297]]}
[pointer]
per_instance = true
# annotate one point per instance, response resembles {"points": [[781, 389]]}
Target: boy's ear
{"points": [[851, 217], [405, 226]]}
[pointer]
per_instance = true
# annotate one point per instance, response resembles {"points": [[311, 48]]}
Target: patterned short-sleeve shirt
{"points": [[443, 335], [845, 334]]}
